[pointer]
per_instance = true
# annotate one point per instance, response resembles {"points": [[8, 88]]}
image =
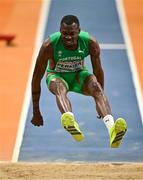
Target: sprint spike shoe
{"points": [[117, 132], [69, 124]]}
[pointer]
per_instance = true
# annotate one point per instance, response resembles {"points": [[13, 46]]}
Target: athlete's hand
{"points": [[99, 116], [37, 120]]}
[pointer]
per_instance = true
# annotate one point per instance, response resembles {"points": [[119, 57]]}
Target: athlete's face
{"points": [[70, 35]]}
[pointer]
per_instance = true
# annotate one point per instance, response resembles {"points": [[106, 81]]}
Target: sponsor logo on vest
{"points": [[73, 58], [59, 53]]}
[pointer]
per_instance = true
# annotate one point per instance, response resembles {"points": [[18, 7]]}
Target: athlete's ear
{"points": [[60, 27], [79, 30]]}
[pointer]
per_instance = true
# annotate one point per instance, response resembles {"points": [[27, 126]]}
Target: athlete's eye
{"points": [[64, 33], [68, 34], [71, 34]]}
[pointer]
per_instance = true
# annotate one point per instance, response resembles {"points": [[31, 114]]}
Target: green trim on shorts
{"points": [[73, 81]]}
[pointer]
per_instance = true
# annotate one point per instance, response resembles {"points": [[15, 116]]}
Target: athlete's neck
{"points": [[70, 47]]}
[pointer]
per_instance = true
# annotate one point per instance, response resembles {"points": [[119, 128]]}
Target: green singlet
{"points": [[68, 65]]}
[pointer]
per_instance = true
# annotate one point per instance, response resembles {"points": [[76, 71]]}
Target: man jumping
{"points": [[62, 56]]}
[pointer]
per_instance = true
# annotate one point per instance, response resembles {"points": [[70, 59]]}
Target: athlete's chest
{"points": [[69, 60]]}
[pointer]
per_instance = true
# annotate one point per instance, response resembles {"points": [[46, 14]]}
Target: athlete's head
{"points": [[70, 19], [70, 29]]}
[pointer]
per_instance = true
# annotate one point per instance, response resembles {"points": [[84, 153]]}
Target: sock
{"points": [[108, 121], [69, 113]]}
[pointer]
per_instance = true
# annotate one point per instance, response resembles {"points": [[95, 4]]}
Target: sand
{"points": [[71, 171]]}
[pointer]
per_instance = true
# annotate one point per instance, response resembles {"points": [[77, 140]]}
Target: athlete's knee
{"points": [[57, 87], [93, 87], [96, 89]]}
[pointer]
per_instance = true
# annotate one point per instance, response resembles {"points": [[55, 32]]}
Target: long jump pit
{"points": [[71, 171]]}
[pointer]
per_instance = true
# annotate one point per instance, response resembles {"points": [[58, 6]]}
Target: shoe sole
{"points": [[120, 130], [71, 126]]}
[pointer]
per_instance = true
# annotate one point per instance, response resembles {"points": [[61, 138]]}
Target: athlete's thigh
{"points": [[56, 84], [79, 81]]}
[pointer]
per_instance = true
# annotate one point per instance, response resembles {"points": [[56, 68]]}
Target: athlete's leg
{"points": [[58, 88], [116, 130]]}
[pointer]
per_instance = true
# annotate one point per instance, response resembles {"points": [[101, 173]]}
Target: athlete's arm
{"points": [[41, 63], [94, 51]]}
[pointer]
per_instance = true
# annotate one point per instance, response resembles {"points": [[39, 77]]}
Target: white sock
{"points": [[69, 113], [108, 121]]}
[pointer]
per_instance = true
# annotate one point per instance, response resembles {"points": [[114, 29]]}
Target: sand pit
{"points": [[71, 171]]}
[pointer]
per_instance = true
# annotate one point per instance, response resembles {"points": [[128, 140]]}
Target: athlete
{"points": [[62, 57]]}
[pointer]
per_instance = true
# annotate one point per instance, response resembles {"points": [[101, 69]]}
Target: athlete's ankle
{"points": [[108, 121], [69, 112]]}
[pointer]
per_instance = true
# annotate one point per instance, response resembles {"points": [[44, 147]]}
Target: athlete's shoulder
{"points": [[55, 34], [46, 44], [84, 35], [94, 46], [54, 37]]}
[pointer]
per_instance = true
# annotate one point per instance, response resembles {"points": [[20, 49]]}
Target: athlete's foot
{"points": [[117, 132], [69, 123]]}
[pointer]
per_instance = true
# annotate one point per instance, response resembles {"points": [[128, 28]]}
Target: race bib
{"points": [[69, 66]]}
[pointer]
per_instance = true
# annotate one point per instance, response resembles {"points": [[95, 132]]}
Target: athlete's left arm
{"points": [[94, 51]]}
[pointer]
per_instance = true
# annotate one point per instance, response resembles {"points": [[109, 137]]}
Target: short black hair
{"points": [[70, 19]]}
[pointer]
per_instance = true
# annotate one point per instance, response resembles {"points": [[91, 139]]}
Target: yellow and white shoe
{"points": [[117, 132], [69, 124]]}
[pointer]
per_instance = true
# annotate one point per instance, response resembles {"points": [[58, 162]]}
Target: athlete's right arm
{"points": [[45, 53]]}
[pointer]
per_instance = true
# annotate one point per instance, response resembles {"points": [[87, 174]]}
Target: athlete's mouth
{"points": [[68, 42]]}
